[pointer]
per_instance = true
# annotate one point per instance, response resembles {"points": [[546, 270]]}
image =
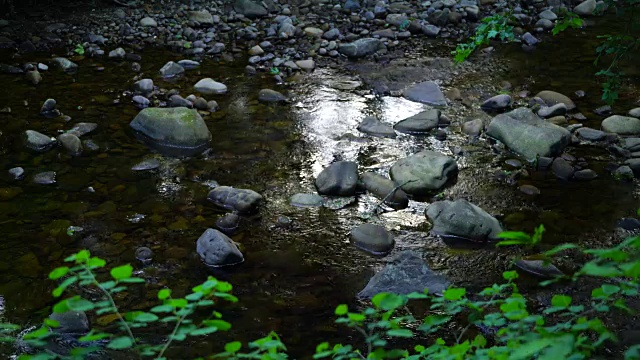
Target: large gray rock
{"points": [[360, 47], [426, 92], [405, 274], [463, 219], [423, 172], [621, 125], [244, 201], [420, 123], [250, 9], [374, 127], [635, 112], [551, 98], [171, 69], [216, 249], [38, 141], [372, 238], [82, 128], [585, 8], [202, 17], [208, 86], [64, 64], [528, 135], [173, 128], [631, 144], [384, 188], [71, 322], [268, 95], [339, 179]]}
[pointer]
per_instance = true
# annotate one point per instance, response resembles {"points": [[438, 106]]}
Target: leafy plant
{"points": [[569, 20], [79, 49], [274, 71], [187, 45], [492, 27]]}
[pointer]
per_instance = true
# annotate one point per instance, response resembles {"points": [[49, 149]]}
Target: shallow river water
{"points": [[293, 276]]}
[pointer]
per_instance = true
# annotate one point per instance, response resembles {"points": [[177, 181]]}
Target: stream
{"points": [[299, 264]]}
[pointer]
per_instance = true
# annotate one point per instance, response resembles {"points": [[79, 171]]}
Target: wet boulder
{"points": [[374, 127], [527, 134], [360, 48], [427, 92], [585, 8], [372, 238], [539, 268], [175, 129], [244, 201], [37, 141], [271, 96], [424, 172], [590, 134], [82, 128], [498, 102], [71, 143], [552, 98], [306, 200], [71, 322], [64, 64], [143, 87], [419, 124], [405, 274], [229, 223], [621, 125], [384, 188], [217, 249], [338, 179], [463, 219]]}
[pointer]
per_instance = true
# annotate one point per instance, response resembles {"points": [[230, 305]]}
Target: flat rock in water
{"points": [[426, 92], [306, 200], [268, 95], [463, 219], [420, 123], [559, 109], [148, 22], [590, 134], [498, 102], [64, 64], [216, 249], [374, 127], [621, 125], [372, 238], [585, 175], [527, 134], [630, 224], [244, 201], [423, 172], [178, 129], [45, 178], [631, 144], [189, 64], [171, 69], [384, 188], [338, 179], [148, 164], [229, 223], [539, 268], [37, 141], [208, 86], [360, 47], [82, 128], [551, 98], [405, 274]]}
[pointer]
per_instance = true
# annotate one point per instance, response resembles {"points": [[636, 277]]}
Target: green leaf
{"points": [[96, 262], [454, 294], [57, 292], [561, 301], [145, 317], [39, 333], [529, 349], [51, 323], [203, 331], [119, 343], [233, 347], [122, 272], [510, 275], [404, 333], [61, 307], [218, 324], [162, 309], [133, 280], [388, 301], [560, 248], [593, 269], [77, 303], [341, 309], [57, 273]]}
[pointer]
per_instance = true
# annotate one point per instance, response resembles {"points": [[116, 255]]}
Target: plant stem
{"points": [[173, 333], [113, 304]]}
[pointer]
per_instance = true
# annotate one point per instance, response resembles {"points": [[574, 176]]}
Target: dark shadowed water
{"points": [[293, 276]]}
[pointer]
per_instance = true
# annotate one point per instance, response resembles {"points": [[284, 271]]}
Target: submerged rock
{"points": [[229, 223], [372, 126], [306, 200], [144, 254], [171, 69], [405, 274], [268, 95], [244, 201], [82, 128], [420, 123], [71, 143], [216, 249], [551, 98], [37, 141], [463, 219], [64, 64], [148, 164], [178, 129], [17, 173], [384, 188], [527, 134], [423, 172], [339, 179], [45, 178], [426, 92], [372, 238]]}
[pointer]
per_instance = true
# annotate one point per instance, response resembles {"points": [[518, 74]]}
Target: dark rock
{"points": [[539, 268], [405, 274], [45, 178], [71, 322], [603, 110], [372, 126], [426, 92], [338, 179], [249, 8], [462, 219], [424, 172], [268, 95], [420, 123], [498, 102], [48, 108], [82, 128], [551, 98], [562, 169], [529, 190], [590, 134], [71, 143], [630, 224], [585, 175], [360, 48], [64, 64], [552, 111], [383, 188], [216, 249], [179, 101], [171, 69], [244, 201], [148, 164], [372, 238], [228, 224], [37, 141], [144, 254]]}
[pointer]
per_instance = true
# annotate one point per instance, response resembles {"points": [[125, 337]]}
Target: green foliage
{"points": [[568, 20], [79, 49], [492, 27], [521, 238], [274, 71]]}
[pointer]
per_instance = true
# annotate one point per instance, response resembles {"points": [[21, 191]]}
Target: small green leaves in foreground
{"points": [[521, 238]]}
